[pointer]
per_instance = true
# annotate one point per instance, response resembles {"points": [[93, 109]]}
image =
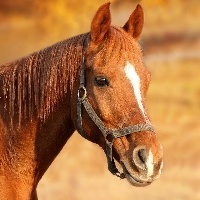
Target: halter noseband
{"points": [[109, 134]]}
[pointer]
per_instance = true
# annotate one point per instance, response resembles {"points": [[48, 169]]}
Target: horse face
{"points": [[117, 82]]}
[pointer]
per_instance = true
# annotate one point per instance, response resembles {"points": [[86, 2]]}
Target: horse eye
{"points": [[101, 81]]}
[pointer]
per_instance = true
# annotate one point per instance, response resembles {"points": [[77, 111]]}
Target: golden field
{"points": [[171, 45]]}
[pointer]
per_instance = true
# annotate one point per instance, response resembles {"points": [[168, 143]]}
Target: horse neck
{"points": [[39, 126], [39, 82]]}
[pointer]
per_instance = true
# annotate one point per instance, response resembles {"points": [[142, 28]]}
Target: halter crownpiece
{"points": [[109, 134]]}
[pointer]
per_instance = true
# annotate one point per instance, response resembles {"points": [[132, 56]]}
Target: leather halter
{"points": [[109, 134]]}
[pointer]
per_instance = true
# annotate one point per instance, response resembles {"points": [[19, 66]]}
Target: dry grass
{"points": [[175, 96]]}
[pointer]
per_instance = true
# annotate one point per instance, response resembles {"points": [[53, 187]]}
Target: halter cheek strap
{"points": [[109, 134]]}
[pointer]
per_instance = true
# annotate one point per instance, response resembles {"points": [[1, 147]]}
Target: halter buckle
{"points": [[109, 137], [82, 93]]}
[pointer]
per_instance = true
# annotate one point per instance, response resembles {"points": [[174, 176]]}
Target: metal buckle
{"points": [[82, 93], [109, 137]]}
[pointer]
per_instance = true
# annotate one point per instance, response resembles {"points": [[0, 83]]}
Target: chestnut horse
{"points": [[95, 83]]}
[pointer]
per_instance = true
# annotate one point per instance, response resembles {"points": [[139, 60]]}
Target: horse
{"points": [[95, 83]]}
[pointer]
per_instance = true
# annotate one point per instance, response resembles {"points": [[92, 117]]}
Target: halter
{"points": [[109, 134]]}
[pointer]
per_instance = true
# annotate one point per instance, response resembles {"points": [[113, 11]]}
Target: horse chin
{"points": [[134, 180]]}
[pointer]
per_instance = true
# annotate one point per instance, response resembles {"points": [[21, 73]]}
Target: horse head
{"points": [[116, 82]]}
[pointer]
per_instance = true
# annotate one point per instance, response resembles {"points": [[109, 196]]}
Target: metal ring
{"points": [[82, 93], [109, 137]]}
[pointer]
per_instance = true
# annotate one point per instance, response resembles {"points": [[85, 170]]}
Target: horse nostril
{"points": [[143, 160], [140, 157], [142, 154]]}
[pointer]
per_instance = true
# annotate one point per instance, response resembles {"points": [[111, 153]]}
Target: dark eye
{"points": [[101, 81]]}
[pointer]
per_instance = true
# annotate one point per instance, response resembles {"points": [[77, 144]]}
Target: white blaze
{"points": [[149, 164], [132, 75], [135, 82]]}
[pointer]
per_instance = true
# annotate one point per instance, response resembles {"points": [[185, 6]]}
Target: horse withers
{"points": [[95, 83]]}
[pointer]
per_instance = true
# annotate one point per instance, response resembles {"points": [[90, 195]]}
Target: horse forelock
{"points": [[33, 86], [118, 48]]}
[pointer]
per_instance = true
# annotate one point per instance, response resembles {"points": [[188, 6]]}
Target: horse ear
{"points": [[101, 23], [135, 23]]}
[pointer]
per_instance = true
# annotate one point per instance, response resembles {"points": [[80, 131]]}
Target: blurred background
{"points": [[171, 47]]}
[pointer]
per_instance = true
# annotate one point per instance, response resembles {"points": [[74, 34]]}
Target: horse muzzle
{"points": [[142, 169]]}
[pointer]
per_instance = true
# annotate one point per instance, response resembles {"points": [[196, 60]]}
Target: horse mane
{"points": [[33, 85]]}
